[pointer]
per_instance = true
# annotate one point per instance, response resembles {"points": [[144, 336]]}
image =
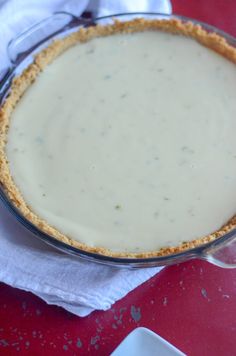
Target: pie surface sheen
{"points": [[125, 144]]}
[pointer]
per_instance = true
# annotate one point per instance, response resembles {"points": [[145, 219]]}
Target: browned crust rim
{"points": [[20, 84]]}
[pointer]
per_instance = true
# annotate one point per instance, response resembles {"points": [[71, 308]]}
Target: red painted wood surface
{"points": [[219, 13], [192, 305]]}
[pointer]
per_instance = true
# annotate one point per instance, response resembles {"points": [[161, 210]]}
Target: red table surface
{"points": [[192, 305]]}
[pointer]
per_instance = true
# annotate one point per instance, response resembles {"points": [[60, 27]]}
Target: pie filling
{"points": [[127, 143]]}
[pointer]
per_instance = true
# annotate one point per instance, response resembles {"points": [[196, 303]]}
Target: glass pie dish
{"points": [[21, 51]]}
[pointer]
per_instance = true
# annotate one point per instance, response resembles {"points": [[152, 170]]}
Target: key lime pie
{"points": [[125, 144]]}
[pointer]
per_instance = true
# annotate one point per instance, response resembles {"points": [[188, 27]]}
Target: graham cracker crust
{"points": [[29, 75]]}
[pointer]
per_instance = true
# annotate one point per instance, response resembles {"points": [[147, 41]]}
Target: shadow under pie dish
{"points": [[123, 145]]}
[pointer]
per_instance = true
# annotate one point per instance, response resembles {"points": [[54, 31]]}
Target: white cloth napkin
{"points": [[26, 262]]}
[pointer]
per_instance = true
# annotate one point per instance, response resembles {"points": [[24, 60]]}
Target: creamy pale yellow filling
{"points": [[128, 142]]}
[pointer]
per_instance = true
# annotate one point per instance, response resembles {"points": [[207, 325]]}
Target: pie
{"points": [[120, 139]]}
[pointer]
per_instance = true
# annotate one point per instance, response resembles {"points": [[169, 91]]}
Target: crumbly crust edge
{"points": [[29, 75]]}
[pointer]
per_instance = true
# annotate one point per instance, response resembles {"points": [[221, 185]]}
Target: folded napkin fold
{"points": [[76, 285], [28, 263]]}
